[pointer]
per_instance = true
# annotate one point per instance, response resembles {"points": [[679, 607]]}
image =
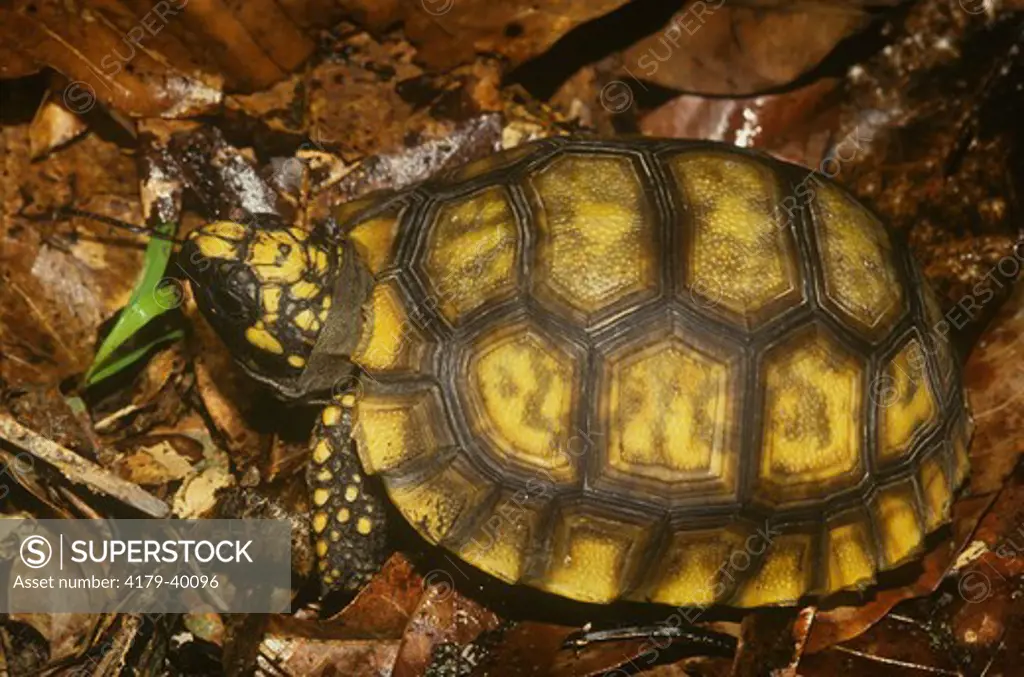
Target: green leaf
{"points": [[150, 299], [120, 361]]}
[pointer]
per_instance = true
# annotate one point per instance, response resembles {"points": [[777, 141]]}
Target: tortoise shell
{"points": [[666, 371]]}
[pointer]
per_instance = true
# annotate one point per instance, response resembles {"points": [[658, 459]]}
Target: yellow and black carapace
{"points": [[665, 371]]}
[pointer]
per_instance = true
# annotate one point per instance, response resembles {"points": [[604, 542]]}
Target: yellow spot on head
{"points": [[324, 476], [307, 321], [331, 416], [271, 298], [305, 290], [335, 536], [214, 247], [321, 452], [258, 336], [348, 400], [344, 515], [321, 548], [319, 259], [276, 256], [336, 573], [297, 361], [320, 496], [319, 522], [356, 477], [351, 493], [229, 230], [364, 525]]}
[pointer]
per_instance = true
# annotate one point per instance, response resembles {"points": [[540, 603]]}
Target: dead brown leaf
{"points": [[452, 32], [796, 126], [726, 49], [994, 378]]}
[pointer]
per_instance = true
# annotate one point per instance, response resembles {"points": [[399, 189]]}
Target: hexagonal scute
{"points": [[812, 419], [905, 398], [596, 235], [739, 256], [861, 283], [669, 415], [471, 253], [521, 397]]}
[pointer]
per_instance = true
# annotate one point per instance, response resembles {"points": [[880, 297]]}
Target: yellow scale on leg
{"points": [[347, 516]]}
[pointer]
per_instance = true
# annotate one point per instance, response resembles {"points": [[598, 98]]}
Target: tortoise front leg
{"points": [[348, 514]]}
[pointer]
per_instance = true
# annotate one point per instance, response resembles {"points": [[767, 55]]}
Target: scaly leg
{"points": [[348, 515]]}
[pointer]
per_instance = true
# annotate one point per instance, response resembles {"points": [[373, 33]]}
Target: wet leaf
{"points": [[838, 624], [796, 125]]}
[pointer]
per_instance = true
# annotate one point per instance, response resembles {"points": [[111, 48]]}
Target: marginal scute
{"points": [[936, 333], [490, 163], [905, 398], [375, 240], [470, 256], [813, 415], [670, 415], [963, 430], [521, 388], [936, 490], [860, 274], [591, 558], [433, 506], [896, 515], [786, 572], [392, 430], [738, 255], [503, 537], [851, 552], [596, 239], [694, 569], [390, 340]]}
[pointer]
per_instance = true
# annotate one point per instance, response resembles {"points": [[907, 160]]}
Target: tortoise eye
{"points": [[233, 294], [233, 307]]}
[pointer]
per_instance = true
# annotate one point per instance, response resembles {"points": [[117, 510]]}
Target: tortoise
{"points": [[668, 371]]}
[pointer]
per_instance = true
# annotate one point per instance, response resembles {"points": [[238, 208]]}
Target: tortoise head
{"points": [[265, 290]]}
